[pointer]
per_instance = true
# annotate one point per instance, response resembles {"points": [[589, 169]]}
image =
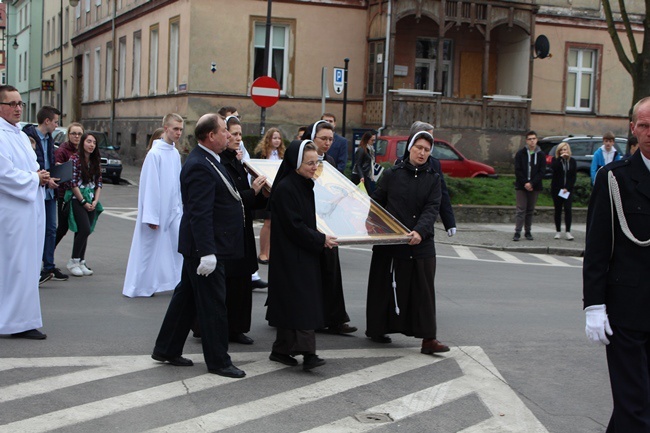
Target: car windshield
{"points": [[380, 147], [443, 152], [102, 141]]}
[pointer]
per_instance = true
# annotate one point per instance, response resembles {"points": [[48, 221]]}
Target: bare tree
{"points": [[637, 64]]}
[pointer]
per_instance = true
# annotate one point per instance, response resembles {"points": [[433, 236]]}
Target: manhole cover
{"points": [[373, 418]]}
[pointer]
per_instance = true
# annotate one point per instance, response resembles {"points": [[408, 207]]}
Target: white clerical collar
{"points": [[210, 152], [321, 157], [646, 161]]}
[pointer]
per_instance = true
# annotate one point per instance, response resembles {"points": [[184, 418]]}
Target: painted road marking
{"points": [[550, 260], [464, 252], [507, 257], [507, 413]]}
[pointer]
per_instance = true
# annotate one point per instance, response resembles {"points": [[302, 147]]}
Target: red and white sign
{"points": [[265, 92]]}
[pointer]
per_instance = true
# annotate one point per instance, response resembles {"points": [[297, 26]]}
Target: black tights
{"points": [[559, 203]]}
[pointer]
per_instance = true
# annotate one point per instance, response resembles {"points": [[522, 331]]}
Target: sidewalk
{"points": [[494, 236]]}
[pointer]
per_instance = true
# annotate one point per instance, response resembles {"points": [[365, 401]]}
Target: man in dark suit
{"points": [[339, 148], [211, 230], [616, 279]]}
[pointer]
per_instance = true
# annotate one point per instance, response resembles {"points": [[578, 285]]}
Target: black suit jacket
{"points": [[213, 221], [620, 280]]}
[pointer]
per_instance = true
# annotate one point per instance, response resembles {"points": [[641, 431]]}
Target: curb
{"points": [[559, 251]]}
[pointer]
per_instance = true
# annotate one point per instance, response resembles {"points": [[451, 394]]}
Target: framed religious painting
{"points": [[342, 209]]}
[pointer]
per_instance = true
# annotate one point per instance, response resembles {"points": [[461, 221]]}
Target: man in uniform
{"points": [[616, 279]]}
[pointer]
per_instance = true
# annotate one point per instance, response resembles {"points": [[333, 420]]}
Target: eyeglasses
{"points": [[76, 134], [326, 139], [14, 104], [419, 148], [311, 163]]}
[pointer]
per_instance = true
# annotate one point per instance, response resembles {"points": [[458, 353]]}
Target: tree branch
{"points": [[611, 29], [628, 30]]}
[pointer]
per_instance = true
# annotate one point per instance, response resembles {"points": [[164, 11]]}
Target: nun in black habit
{"points": [[401, 290], [336, 316], [239, 287], [295, 301]]}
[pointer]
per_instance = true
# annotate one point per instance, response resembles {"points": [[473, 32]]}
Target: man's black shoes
{"points": [[529, 236], [32, 334], [178, 361], [241, 339], [230, 371], [283, 359], [516, 237], [312, 361], [260, 284], [57, 275]]}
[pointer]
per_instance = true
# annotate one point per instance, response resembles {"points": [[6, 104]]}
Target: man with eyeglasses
{"points": [[48, 120], [22, 223], [530, 166], [339, 149]]}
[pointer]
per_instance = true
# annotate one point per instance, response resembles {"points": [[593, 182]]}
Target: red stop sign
{"points": [[265, 92]]}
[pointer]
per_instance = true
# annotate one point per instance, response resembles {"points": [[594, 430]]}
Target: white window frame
{"points": [[97, 67], [286, 47], [121, 72], [174, 46], [86, 77], [108, 86], [137, 62], [154, 40], [580, 72]]}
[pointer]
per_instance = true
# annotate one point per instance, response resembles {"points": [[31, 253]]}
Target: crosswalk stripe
{"points": [[464, 252], [239, 414], [550, 260], [110, 406], [48, 384], [506, 257]]}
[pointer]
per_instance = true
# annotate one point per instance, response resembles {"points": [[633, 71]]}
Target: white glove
{"points": [[597, 324], [207, 265], [451, 231]]}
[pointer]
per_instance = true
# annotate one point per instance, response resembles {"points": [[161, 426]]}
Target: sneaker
{"points": [[45, 276], [516, 237], [529, 236], [85, 269], [557, 235], [57, 275], [73, 267], [569, 236]]}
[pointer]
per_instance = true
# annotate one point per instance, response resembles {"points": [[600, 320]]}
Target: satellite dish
{"points": [[542, 47]]}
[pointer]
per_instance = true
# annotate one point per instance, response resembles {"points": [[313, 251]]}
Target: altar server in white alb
{"points": [[154, 262], [22, 223]]}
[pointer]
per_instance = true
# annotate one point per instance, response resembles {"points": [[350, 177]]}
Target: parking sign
{"points": [[338, 80]]}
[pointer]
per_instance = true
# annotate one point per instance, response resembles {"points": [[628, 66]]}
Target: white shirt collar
{"points": [[210, 152], [646, 161]]}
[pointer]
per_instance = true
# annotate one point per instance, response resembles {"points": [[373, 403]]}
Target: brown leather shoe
{"points": [[431, 346]]}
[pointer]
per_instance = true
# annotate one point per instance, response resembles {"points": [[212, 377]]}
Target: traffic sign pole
{"points": [[345, 94], [267, 72]]}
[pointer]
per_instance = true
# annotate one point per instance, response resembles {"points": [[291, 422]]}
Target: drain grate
{"points": [[373, 418]]}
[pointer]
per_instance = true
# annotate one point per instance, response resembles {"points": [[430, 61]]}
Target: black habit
{"points": [[412, 195], [239, 290]]}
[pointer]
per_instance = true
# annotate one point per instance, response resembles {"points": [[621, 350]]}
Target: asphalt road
{"points": [[520, 361]]}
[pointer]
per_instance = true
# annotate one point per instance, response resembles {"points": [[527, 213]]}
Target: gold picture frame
{"points": [[342, 209]]}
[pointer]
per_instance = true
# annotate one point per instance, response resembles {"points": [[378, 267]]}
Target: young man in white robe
{"points": [[154, 262], [22, 223]]}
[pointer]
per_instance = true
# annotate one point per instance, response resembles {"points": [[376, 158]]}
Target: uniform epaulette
{"points": [[617, 164]]}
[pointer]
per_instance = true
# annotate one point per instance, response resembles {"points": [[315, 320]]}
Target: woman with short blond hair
{"points": [[564, 178]]}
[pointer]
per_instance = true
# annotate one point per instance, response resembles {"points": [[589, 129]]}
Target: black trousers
{"points": [[294, 342], [83, 218], [205, 299], [239, 301], [62, 227], [559, 203], [628, 360]]}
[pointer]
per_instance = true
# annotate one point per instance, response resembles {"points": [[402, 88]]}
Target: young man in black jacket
{"points": [[530, 164]]}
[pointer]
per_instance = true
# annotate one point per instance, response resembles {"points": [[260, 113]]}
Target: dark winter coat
{"points": [[412, 195], [562, 180], [248, 264], [537, 168]]}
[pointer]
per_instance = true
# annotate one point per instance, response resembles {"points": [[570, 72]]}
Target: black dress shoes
{"points": [[241, 339], [385, 339], [260, 284], [32, 334], [312, 361], [283, 359], [230, 371], [262, 261], [178, 361]]}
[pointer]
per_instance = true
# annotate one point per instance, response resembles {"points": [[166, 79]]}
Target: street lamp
{"points": [[15, 44], [73, 3]]}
